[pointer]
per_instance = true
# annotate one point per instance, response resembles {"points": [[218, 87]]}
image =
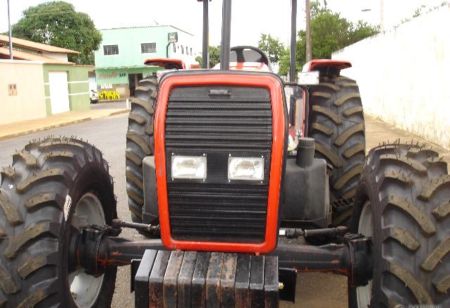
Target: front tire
{"points": [[53, 186], [403, 204]]}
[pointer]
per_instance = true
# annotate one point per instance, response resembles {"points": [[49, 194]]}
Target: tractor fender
{"points": [[326, 66], [166, 63]]}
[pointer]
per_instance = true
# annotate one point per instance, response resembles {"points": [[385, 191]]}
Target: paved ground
{"points": [[314, 290], [96, 111]]}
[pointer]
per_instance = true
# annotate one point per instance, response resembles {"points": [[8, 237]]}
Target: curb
{"points": [[70, 122], [119, 112]]}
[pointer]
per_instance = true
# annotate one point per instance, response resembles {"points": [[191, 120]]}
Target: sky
{"points": [[250, 18]]}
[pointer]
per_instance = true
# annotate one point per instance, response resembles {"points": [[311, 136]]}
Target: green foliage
{"points": [[214, 56], [329, 32], [57, 23], [284, 62], [271, 46]]}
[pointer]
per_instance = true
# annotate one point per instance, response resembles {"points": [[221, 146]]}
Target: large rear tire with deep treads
{"points": [[336, 122], [403, 204], [54, 186], [139, 144]]}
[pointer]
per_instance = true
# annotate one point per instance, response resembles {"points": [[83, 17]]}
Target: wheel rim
{"points": [[85, 288], [365, 227]]}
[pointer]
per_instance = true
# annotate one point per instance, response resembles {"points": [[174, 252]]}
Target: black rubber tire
{"points": [[408, 190], [336, 122], [35, 218], [139, 144]]}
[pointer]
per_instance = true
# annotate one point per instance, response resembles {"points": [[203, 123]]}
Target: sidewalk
{"points": [[97, 111]]}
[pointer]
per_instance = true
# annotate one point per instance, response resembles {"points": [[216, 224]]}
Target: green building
{"points": [[119, 62]]}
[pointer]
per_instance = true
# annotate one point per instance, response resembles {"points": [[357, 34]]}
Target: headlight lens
{"points": [[189, 167], [246, 168]]}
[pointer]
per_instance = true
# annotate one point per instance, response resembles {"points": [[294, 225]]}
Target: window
{"points": [[148, 47], [110, 50], [174, 48], [190, 51], [182, 49]]}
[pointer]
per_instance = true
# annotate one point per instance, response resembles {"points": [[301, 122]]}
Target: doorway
{"points": [[133, 81], [59, 92]]}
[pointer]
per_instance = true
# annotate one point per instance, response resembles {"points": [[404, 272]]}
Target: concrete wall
{"points": [[78, 83], [403, 75], [29, 101]]}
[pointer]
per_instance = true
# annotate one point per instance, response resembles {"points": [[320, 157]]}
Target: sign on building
{"points": [[172, 37]]}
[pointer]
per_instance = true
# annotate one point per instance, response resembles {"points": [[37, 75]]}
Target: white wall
{"points": [[404, 75], [29, 100]]}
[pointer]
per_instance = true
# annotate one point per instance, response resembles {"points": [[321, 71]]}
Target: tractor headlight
{"points": [[189, 167], [246, 168]]}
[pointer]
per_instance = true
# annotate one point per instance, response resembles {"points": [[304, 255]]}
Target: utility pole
{"points": [[10, 34], [308, 31]]}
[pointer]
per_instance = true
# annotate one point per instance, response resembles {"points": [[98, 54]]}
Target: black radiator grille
{"points": [[217, 212], [238, 124], [196, 120]]}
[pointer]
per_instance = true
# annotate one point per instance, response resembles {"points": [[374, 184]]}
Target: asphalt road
{"points": [[314, 290]]}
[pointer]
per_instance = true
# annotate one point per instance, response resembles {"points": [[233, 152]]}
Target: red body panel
{"points": [[315, 65], [166, 63], [278, 132]]}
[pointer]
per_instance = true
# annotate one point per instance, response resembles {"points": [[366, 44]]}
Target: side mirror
{"points": [[308, 78]]}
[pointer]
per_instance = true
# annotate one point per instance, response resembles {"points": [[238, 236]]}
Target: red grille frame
{"points": [[275, 88]]}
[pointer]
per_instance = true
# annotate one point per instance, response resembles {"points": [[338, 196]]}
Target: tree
{"points": [[329, 32], [271, 46], [284, 62], [57, 23], [214, 56]]}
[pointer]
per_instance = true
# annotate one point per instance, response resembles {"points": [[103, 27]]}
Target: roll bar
{"points": [[226, 35]]}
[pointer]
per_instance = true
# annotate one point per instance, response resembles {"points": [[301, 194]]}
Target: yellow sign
{"points": [[109, 95]]}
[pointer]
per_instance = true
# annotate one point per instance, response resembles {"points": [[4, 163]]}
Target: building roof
{"points": [[22, 55], [154, 26], [26, 44]]}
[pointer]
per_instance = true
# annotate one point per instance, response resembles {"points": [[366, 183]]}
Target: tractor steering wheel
{"points": [[248, 54]]}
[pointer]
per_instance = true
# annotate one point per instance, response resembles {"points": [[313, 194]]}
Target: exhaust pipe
{"points": [[305, 152]]}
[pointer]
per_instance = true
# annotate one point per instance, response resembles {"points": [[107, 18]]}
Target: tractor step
{"points": [[206, 279]]}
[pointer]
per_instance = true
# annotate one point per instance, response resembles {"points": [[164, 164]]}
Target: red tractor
{"points": [[231, 212]]}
